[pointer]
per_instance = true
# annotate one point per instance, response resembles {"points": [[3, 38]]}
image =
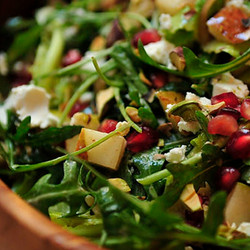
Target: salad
{"points": [[128, 122]]}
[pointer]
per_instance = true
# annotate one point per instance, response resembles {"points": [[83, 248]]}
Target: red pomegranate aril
{"points": [[146, 36], [71, 57], [137, 142], [238, 145], [78, 107], [159, 79], [108, 125], [229, 111], [230, 99], [245, 109], [228, 177], [222, 125]]}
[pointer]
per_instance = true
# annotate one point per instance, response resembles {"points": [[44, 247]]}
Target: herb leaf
{"points": [[215, 214], [44, 194], [53, 135], [201, 69]]}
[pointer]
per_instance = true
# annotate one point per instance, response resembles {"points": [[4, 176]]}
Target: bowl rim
{"points": [[19, 222]]}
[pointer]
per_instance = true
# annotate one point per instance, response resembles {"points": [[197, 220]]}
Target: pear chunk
{"points": [[237, 209], [190, 198], [108, 154]]}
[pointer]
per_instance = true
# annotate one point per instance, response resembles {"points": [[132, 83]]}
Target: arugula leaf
{"points": [[44, 194], [122, 56], [23, 43], [146, 164], [201, 68], [84, 225], [203, 121], [216, 206], [53, 135], [148, 117], [23, 129]]}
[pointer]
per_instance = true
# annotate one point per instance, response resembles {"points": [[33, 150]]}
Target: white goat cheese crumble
{"points": [[192, 126], [201, 100], [176, 155], [159, 52], [29, 100], [227, 83], [244, 227], [165, 21]]}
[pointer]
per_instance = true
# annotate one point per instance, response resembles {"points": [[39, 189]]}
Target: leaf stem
{"points": [[83, 87], [154, 177], [53, 162], [123, 111]]}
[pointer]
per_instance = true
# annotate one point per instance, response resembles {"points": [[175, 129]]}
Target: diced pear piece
{"points": [[120, 184], [102, 98], [90, 121], [237, 209], [190, 198], [169, 97], [108, 154]]}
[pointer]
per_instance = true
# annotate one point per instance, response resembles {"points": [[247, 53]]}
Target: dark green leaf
{"points": [[53, 135], [148, 117], [23, 43], [44, 194], [201, 69], [203, 121], [146, 164], [23, 129], [123, 58], [215, 214]]}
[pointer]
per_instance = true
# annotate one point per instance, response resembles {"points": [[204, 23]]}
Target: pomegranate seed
{"points": [[194, 218], [239, 144], [228, 177], [78, 107], [159, 79], [222, 125], [230, 99], [71, 57], [229, 111], [245, 109], [108, 125], [146, 36], [137, 142]]}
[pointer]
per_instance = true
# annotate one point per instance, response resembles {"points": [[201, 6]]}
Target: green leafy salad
{"points": [[128, 122]]}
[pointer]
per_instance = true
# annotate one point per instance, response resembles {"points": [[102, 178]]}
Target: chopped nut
{"points": [[159, 156], [165, 128], [124, 132], [177, 58], [133, 114]]}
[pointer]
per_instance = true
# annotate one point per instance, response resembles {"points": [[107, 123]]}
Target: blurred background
{"points": [[10, 8]]}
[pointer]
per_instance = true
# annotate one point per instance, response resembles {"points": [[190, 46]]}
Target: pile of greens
{"points": [[36, 165]]}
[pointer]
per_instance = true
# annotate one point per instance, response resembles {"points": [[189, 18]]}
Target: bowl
{"points": [[23, 227]]}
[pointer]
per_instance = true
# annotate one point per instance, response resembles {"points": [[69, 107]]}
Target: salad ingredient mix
{"points": [[128, 122]]}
